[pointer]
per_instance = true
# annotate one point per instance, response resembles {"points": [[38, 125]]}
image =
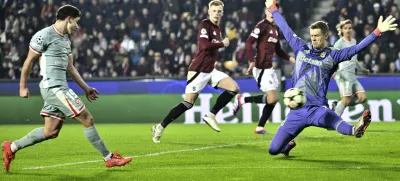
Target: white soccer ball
{"points": [[294, 98]]}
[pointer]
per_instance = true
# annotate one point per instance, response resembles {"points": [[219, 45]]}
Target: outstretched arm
{"points": [[294, 41], [347, 53]]}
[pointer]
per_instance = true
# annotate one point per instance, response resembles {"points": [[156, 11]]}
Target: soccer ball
{"points": [[294, 98]]}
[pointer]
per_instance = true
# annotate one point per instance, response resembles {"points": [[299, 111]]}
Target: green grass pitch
{"points": [[195, 152]]}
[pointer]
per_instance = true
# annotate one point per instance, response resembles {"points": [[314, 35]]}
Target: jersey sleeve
{"points": [[203, 36], [295, 42], [38, 42], [346, 53], [254, 35]]}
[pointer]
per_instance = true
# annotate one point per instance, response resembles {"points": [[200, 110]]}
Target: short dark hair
{"points": [[322, 25], [68, 10]]}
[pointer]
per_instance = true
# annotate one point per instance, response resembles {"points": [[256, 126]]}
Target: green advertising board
{"points": [[151, 108]]}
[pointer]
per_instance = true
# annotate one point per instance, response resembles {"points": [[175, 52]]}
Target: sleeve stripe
{"points": [[34, 50], [254, 35], [204, 36]]}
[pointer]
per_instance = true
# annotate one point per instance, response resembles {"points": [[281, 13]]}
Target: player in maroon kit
{"points": [[267, 37], [201, 71]]}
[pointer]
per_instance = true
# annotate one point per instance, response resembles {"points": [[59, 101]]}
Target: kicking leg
{"points": [[50, 130], [90, 131], [331, 120]]}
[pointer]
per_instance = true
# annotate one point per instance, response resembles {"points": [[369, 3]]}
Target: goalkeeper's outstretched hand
{"points": [[387, 25], [270, 4]]}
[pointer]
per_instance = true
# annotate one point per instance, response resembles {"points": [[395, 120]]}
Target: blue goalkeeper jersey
{"points": [[313, 68]]}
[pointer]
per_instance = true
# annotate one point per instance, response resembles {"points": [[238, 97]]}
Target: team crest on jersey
{"points": [[322, 55], [68, 43], [257, 31], [214, 33], [271, 32], [203, 31]]}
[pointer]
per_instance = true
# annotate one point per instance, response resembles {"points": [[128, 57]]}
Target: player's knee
{"points": [[274, 150], [51, 134], [362, 100], [234, 89], [272, 100], [88, 122]]}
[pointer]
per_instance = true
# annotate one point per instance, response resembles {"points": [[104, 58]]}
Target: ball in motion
{"points": [[294, 98]]}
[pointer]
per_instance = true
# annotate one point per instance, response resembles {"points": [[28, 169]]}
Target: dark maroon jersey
{"points": [[209, 40], [267, 37]]}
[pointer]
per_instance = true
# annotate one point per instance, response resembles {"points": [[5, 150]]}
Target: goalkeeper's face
{"points": [[318, 38], [215, 12]]}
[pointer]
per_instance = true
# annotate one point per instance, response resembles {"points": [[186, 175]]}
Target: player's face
{"points": [[270, 18], [318, 38], [347, 30], [72, 25], [215, 13]]}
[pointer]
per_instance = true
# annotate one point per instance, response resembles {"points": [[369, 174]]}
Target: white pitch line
{"points": [[145, 155], [255, 167], [275, 167]]}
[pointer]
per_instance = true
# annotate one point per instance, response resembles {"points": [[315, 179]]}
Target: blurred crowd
{"points": [[124, 38], [383, 56]]}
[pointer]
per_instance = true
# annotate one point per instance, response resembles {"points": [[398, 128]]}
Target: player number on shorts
{"points": [[71, 94]]}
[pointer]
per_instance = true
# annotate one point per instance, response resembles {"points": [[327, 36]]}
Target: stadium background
{"points": [[137, 53]]}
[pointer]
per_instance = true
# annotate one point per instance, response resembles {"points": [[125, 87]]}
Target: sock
{"points": [[211, 115], [94, 138], [267, 111], [259, 128], [108, 157], [34, 137], [261, 99], [345, 128], [175, 112], [14, 147], [222, 100], [339, 108]]}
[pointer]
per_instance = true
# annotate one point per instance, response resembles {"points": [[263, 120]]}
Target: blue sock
{"points": [[344, 127]]}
